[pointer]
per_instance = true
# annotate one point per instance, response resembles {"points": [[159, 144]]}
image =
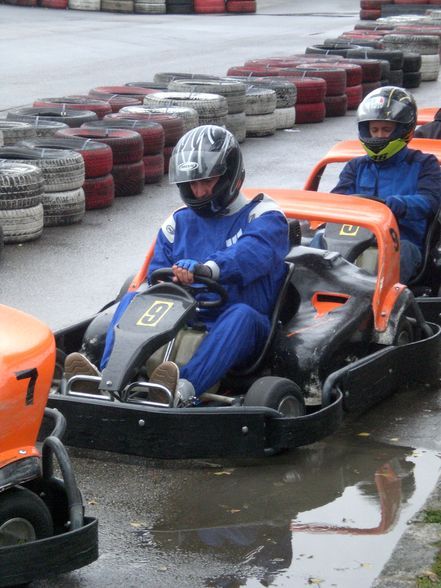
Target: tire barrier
{"points": [[92, 5], [232, 90], [14, 131], [63, 200], [123, 6], [72, 118], [99, 107], [98, 162], [127, 153], [211, 108], [179, 6], [189, 116], [208, 6], [152, 135], [150, 7], [240, 6]]}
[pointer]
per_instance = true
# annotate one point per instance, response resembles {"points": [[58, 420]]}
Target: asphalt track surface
{"points": [[72, 271]]}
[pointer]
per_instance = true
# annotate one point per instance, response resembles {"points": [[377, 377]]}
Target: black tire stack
{"points": [[179, 6]]}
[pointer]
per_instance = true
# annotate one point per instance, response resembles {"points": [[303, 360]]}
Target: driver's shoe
{"points": [[77, 364], [166, 374]]}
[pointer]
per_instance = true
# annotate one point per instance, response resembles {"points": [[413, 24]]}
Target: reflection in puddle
{"points": [[328, 515]]}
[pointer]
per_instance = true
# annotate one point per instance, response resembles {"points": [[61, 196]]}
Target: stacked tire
{"points": [[98, 186], [211, 108], [150, 7], [428, 46], [68, 116], [63, 172], [260, 112], [372, 72], [336, 100], [172, 125], [127, 151], [14, 131], [99, 107], [21, 208], [123, 6], [394, 57], [209, 6], [153, 137], [232, 90], [241, 6], [91, 5], [179, 6], [371, 9], [189, 116]]}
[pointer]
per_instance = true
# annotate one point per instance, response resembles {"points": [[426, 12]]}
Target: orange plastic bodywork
{"points": [[27, 360], [345, 150], [426, 115], [325, 207]]}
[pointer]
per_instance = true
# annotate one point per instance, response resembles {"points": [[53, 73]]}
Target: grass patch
{"points": [[433, 578], [432, 516]]}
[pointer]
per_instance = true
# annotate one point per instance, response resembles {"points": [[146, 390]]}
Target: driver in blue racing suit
{"points": [[242, 243], [408, 181]]}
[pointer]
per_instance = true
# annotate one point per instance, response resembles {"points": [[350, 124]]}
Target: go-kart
{"points": [[43, 530], [341, 340], [426, 115], [427, 283]]}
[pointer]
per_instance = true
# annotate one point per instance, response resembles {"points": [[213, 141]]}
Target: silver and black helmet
{"points": [[206, 152]]}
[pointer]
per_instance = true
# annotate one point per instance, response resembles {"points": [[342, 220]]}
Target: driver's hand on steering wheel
{"points": [[184, 271]]}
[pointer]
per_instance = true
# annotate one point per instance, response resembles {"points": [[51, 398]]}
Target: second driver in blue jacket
{"points": [[407, 180]]}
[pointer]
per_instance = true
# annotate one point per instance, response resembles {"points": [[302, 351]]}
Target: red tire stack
{"points": [[336, 100], [241, 6], [208, 6], [173, 129], [371, 9], [127, 150], [54, 3], [100, 107], [153, 138], [98, 186]]}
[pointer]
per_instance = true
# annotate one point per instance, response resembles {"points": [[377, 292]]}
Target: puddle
{"points": [[327, 515]]}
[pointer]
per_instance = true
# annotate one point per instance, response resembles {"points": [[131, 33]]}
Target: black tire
{"points": [[24, 517], [404, 333], [280, 394]]}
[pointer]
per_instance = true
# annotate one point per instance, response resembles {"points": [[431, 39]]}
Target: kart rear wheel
{"points": [[24, 517], [404, 333], [280, 394]]}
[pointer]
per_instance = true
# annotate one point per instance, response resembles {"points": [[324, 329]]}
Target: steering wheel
{"points": [[166, 275]]}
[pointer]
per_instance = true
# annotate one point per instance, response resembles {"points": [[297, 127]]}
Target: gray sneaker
{"points": [[77, 364], [185, 394]]}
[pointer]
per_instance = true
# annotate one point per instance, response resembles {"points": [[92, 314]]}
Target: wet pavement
{"points": [[326, 515]]}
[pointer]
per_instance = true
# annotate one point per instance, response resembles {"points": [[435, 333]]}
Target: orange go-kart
{"points": [[43, 530], [342, 338], [428, 281]]}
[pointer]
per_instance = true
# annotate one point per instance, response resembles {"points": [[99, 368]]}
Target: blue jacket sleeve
{"points": [[347, 180], [262, 246], [427, 200]]}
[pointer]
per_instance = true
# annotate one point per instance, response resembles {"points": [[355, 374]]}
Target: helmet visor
{"points": [[384, 108], [193, 165]]}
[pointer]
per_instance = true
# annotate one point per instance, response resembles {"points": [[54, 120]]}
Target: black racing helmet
{"points": [[391, 104], [206, 152]]}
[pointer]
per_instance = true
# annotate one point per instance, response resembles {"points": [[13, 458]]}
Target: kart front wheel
{"points": [[24, 517], [280, 394]]}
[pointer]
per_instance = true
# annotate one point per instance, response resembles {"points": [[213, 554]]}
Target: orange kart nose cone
{"points": [[27, 359]]}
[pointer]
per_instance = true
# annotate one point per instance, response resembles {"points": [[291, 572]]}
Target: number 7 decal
{"points": [[32, 375]]}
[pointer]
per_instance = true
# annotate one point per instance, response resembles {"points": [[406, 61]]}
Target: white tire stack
{"points": [[85, 5], [64, 173], [14, 131], [232, 90], [150, 6], [21, 208], [261, 120], [428, 46], [189, 116], [211, 108]]}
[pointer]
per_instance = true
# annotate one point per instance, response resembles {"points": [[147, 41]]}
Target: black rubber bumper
{"points": [[20, 564]]}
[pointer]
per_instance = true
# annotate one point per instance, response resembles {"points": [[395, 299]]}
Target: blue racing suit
{"points": [[245, 250], [411, 174]]}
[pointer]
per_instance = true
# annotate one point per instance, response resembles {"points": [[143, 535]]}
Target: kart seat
{"points": [[428, 278]]}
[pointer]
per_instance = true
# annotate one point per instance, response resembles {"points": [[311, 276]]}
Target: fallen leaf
{"points": [[223, 473], [430, 575], [234, 510], [92, 502], [136, 525], [394, 439], [314, 581], [364, 434], [162, 568], [365, 565]]}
